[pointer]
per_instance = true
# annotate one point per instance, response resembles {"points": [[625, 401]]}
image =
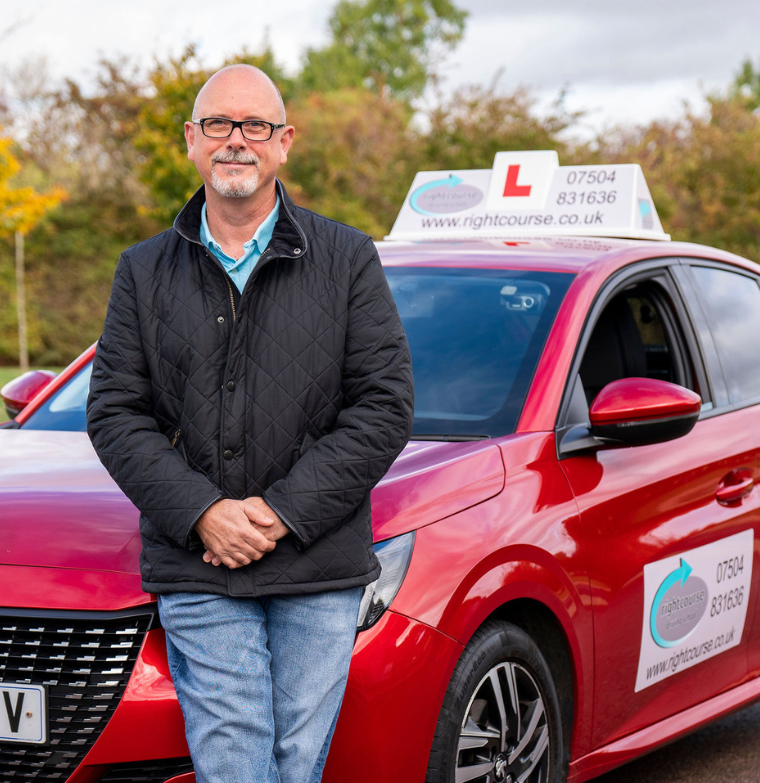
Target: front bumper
{"points": [[398, 677], [399, 674]]}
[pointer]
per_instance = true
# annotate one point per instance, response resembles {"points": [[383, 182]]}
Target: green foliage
{"points": [[266, 60], [163, 163], [118, 150], [85, 143], [746, 86], [353, 158], [468, 129], [703, 172], [379, 44]]}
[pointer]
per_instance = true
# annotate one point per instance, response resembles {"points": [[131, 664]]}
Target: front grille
{"points": [[85, 660], [148, 771]]}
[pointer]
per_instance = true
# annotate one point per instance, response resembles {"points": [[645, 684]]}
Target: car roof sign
{"points": [[529, 194]]}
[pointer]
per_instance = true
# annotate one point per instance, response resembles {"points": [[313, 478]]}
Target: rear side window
{"points": [[733, 303]]}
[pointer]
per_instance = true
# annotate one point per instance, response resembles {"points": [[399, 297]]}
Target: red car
{"points": [[568, 541]]}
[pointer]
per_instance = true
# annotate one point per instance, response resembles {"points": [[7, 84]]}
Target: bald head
{"points": [[234, 167], [232, 83]]}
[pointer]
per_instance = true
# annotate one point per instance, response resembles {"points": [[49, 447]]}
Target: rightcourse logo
{"points": [[678, 606], [444, 196]]}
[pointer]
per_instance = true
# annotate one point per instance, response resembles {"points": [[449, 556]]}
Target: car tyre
{"points": [[500, 721]]}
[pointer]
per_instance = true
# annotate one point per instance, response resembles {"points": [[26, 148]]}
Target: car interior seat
{"points": [[615, 349]]}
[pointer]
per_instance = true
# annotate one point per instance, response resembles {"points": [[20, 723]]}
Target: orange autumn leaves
{"points": [[21, 208]]}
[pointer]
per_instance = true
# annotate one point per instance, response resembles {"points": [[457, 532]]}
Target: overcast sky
{"points": [[621, 61]]}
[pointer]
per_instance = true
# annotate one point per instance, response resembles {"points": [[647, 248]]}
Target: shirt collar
{"points": [[261, 238]]}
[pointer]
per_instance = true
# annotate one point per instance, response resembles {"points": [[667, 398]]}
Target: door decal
{"points": [[695, 605]]}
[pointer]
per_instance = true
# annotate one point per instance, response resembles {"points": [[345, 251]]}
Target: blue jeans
{"points": [[260, 680]]}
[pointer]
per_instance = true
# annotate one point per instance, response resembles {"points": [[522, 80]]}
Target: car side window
{"points": [[636, 336], [733, 312]]}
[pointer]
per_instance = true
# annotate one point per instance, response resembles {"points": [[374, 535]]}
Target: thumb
{"points": [[257, 511]]}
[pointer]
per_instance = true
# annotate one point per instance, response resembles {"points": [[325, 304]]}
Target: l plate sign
{"points": [[521, 180]]}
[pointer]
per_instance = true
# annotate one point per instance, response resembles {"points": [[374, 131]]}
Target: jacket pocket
{"points": [[176, 441]]}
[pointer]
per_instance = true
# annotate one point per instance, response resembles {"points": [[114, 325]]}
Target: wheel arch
{"points": [[542, 600]]}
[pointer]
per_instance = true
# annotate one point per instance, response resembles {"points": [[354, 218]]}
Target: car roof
{"points": [[549, 254]]}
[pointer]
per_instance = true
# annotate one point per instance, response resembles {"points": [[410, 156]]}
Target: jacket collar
{"points": [[288, 239]]}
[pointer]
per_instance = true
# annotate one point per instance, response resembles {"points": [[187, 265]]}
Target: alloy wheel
{"points": [[504, 737]]}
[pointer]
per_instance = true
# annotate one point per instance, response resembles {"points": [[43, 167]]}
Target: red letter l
{"points": [[511, 188]]}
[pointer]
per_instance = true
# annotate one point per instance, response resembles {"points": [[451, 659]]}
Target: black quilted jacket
{"points": [[299, 390]]}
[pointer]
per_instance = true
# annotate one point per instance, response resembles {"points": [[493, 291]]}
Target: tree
{"points": [[21, 209], [746, 85], [83, 141], [384, 44], [469, 128], [703, 172], [353, 158]]}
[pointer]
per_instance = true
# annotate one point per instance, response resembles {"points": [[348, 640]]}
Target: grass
{"points": [[8, 374]]}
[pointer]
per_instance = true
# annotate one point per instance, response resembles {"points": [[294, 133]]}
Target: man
{"points": [[251, 385]]}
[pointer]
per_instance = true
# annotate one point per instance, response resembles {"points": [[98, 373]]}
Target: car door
{"points": [[652, 521], [730, 300]]}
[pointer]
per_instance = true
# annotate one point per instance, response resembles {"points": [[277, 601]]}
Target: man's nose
{"points": [[236, 138]]}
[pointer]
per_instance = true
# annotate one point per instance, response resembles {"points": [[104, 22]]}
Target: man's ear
{"points": [[190, 138], [286, 139]]}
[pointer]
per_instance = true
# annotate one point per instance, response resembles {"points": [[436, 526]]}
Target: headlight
{"points": [[394, 556]]}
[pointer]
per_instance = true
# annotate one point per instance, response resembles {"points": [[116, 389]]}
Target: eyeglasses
{"points": [[253, 130]]}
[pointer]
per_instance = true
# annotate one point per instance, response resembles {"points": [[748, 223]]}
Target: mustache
{"points": [[235, 156]]}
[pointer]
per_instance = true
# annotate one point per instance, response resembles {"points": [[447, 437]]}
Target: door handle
{"points": [[735, 486]]}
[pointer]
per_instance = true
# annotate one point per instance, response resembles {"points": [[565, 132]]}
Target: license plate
{"points": [[23, 713]]}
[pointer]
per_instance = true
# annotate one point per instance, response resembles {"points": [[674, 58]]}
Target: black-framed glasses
{"points": [[253, 130]]}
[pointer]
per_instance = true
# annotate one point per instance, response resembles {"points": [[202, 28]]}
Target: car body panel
{"points": [[70, 589], [399, 667], [524, 561], [68, 497], [433, 480], [54, 482]]}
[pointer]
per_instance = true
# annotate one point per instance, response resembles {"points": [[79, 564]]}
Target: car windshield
{"points": [[67, 408], [475, 337]]}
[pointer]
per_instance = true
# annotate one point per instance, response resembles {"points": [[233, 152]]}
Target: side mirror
{"points": [[19, 392], [641, 411]]}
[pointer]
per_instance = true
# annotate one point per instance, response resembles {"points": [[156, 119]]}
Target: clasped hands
{"points": [[237, 532]]}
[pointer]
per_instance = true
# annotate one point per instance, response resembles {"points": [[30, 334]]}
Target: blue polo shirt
{"points": [[240, 270]]}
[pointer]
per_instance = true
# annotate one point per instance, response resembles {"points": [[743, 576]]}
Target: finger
{"points": [[257, 542], [258, 511]]}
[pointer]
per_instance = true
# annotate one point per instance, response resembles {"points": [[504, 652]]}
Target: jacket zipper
{"points": [[232, 297], [176, 437]]}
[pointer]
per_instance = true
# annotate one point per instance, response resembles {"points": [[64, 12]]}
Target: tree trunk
{"points": [[23, 348]]}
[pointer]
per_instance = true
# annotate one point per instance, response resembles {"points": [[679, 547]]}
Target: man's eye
{"points": [[256, 126], [217, 124]]}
